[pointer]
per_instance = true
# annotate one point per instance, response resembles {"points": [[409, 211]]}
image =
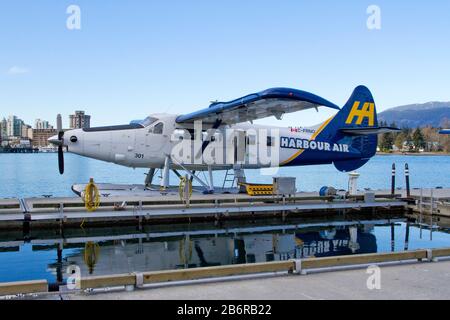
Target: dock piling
{"points": [[408, 191], [393, 180]]}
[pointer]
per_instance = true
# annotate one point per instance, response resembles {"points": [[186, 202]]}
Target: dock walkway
{"points": [[45, 212], [404, 282], [169, 207]]}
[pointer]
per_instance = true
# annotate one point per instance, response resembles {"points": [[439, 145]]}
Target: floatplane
{"points": [[224, 137]]}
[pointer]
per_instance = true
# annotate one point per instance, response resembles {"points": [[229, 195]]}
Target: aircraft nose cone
{"points": [[55, 140]]}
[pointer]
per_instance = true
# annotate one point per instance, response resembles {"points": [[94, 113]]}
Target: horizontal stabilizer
{"points": [[363, 131]]}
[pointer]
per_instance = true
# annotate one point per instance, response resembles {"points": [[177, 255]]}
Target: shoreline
{"points": [[434, 154], [407, 154]]}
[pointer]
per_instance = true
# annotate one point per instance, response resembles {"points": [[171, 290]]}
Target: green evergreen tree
{"points": [[418, 139], [386, 142]]}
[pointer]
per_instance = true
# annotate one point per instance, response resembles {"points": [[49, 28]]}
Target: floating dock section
{"points": [[48, 212]]}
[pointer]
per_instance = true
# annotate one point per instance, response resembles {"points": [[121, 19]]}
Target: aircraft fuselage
{"points": [[253, 146]]}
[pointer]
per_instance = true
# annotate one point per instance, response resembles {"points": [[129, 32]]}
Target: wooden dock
{"points": [[51, 212], [70, 211]]}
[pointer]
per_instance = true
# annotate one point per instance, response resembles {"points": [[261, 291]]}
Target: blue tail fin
{"points": [[360, 110], [358, 113]]}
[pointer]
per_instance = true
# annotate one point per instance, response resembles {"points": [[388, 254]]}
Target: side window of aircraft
{"points": [[159, 128], [251, 140]]}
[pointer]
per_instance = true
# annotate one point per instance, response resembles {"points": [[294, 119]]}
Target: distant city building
{"points": [[41, 136], [58, 122], [79, 120], [42, 124], [14, 127], [3, 130], [26, 131]]}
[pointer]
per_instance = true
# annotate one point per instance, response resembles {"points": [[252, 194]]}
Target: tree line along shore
{"points": [[420, 140]]}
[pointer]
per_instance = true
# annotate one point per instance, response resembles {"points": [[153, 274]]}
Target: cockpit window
{"points": [[144, 123], [148, 121], [159, 128]]}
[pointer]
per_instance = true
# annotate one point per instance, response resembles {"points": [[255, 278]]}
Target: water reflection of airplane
{"points": [[163, 250]]}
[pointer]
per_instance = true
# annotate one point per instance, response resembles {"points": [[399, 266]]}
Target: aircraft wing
{"points": [[271, 102]]}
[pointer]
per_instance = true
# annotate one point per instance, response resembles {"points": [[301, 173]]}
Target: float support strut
{"points": [[165, 174]]}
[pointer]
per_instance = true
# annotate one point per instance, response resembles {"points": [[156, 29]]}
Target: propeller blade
{"points": [[61, 144], [61, 159]]}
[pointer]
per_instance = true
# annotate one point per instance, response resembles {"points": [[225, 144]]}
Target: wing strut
{"points": [[208, 140]]}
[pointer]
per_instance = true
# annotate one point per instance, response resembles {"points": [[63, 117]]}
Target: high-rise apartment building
{"points": [[42, 124], [3, 129], [14, 127], [26, 131], [79, 120]]}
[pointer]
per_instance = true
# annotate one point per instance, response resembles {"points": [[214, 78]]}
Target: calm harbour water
{"points": [[32, 175], [46, 255], [114, 251]]}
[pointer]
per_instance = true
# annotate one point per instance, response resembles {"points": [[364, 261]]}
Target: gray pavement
{"points": [[406, 281]]}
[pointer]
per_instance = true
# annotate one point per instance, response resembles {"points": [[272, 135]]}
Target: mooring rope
{"points": [[91, 198]]}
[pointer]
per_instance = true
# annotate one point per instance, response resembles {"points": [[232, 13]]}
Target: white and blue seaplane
{"points": [[224, 137]]}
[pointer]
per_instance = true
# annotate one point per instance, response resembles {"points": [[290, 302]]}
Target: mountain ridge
{"points": [[433, 113]]}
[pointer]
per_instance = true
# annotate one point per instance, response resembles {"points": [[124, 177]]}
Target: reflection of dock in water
{"points": [[159, 248]]}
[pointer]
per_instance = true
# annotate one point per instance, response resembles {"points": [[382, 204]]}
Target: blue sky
{"points": [[133, 58]]}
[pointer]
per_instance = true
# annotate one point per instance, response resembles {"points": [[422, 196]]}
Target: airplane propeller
{"points": [[60, 145]]}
